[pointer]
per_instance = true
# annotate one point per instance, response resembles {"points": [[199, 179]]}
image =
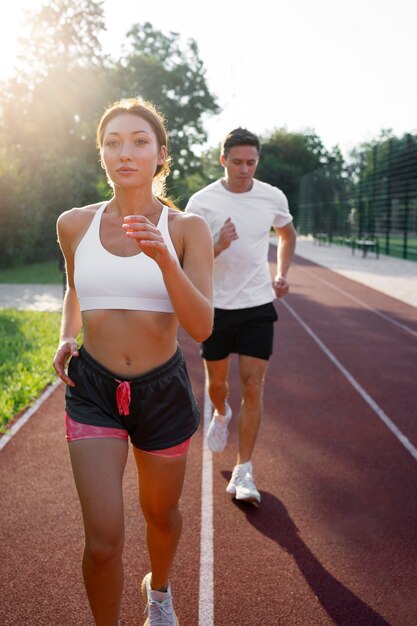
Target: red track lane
{"points": [[335, 541]]}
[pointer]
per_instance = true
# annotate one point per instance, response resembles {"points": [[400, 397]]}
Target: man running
{"points": [[241, 211]]}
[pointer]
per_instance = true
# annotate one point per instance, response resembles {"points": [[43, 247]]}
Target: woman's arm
{"points": [[71, 316], [190, 288]]}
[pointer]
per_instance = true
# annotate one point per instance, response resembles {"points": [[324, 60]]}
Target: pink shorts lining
{"points": [[76, 431]]}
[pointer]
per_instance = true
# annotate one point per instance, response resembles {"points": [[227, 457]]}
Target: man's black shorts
{"points": [[249, 332], [162, 408]]}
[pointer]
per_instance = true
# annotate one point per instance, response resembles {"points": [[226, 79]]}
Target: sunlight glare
{"points": [[11, 21]]}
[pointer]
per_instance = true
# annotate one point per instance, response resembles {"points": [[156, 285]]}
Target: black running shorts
{"points": [[248, 332], [158, 408]]}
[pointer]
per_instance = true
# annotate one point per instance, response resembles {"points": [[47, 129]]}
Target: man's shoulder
{"points": [[202, 199], [210, 188], [266, 188]]}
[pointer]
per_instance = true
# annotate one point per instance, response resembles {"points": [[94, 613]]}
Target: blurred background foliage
{"points": [[62, 83]]}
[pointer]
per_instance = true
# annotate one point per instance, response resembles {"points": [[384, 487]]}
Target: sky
{"points": [[345, 70]]}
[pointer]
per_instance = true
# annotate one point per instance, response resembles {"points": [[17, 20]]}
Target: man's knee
{"points": [[252, 387], [217, 384]]}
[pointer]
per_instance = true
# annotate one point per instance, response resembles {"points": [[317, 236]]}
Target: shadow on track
{"points": [[342, 606]]}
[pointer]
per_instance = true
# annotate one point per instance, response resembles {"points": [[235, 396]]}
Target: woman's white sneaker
{"points": [[218, 430], [160, 611], [242, 486]]}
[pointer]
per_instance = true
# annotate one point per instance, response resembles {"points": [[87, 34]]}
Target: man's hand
{"points": [[227, 234], [281, 286]]}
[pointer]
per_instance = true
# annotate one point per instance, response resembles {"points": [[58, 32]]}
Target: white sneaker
{"points": [[241, 485], [160, 612], [218, 430]]}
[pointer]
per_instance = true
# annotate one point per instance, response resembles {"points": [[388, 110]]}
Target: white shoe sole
{"points": [[250, 499], [232, 491]]}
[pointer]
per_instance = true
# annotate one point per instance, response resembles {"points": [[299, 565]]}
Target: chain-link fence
{"points": [[375, 199]]}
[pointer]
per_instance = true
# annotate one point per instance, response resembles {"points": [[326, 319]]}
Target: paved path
{"points": [[31, 297], [394, 277]]}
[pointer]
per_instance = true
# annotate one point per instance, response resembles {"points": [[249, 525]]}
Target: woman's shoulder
{"points": [[186, 221], [78, 216], [189, 231], [77, 219], [80, 212]]}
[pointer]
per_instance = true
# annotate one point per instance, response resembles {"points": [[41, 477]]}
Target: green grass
{"points": [[37, 273], [28, 341]]}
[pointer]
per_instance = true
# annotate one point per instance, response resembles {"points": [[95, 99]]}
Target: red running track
{"points": [[335, 541]]}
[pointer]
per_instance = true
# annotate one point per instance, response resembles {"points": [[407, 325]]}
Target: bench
{"points": [[366, 245], [322, 239]]}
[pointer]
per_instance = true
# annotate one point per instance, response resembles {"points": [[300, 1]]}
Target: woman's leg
{"points": [[98, 467], [160, 486]]}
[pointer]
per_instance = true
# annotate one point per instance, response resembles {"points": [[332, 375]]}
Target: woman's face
{"points": [[130, 151]]}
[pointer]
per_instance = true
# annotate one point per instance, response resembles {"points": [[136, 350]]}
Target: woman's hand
{"points": [[148, 238], [66, 349]]}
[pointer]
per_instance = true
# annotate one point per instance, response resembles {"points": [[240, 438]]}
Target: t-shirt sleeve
{"points": [[283, 215]]}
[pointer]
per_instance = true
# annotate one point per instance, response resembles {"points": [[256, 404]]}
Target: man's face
{"points": [[240, 165]]}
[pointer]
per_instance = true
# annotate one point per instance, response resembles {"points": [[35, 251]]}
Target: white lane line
{"points": [[376, 408], [206, 593], [347, 295], [27, 414]]}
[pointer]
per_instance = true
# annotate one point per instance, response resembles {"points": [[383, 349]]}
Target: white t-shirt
{"points": [[241, 273]]}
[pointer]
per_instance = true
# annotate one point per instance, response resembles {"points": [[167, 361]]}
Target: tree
{"points": [[286, 157], [48, 118], [61, 35], [326, 198], [161, 69], [48, 112]]}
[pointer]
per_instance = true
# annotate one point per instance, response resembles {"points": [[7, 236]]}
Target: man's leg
{"points": [[252, 375], [217, 381], [218, 388]]}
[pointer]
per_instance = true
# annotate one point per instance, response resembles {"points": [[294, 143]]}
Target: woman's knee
{"points": [[101, 551], [162, 517]]}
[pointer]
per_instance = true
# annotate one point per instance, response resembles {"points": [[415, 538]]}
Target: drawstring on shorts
{"points": [[123, 397]]}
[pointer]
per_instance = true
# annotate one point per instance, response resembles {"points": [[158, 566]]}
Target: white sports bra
{"points": [[106, 281]]}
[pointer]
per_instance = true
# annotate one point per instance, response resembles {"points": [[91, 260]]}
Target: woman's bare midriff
{"points": [[129, 343]]}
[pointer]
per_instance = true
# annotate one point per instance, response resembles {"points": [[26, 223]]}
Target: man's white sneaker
{"points": [[160, 612], [218, 430], [241, 485]]}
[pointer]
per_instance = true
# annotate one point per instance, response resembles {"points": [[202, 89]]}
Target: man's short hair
{"points": [[240, 137]]}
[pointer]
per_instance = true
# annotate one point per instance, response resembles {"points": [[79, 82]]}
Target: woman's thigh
{"points": [[98, 466], [161, 481]]}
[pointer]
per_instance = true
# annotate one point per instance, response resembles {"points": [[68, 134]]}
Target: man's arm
{"points": [[285, 252], [226, 235]]}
